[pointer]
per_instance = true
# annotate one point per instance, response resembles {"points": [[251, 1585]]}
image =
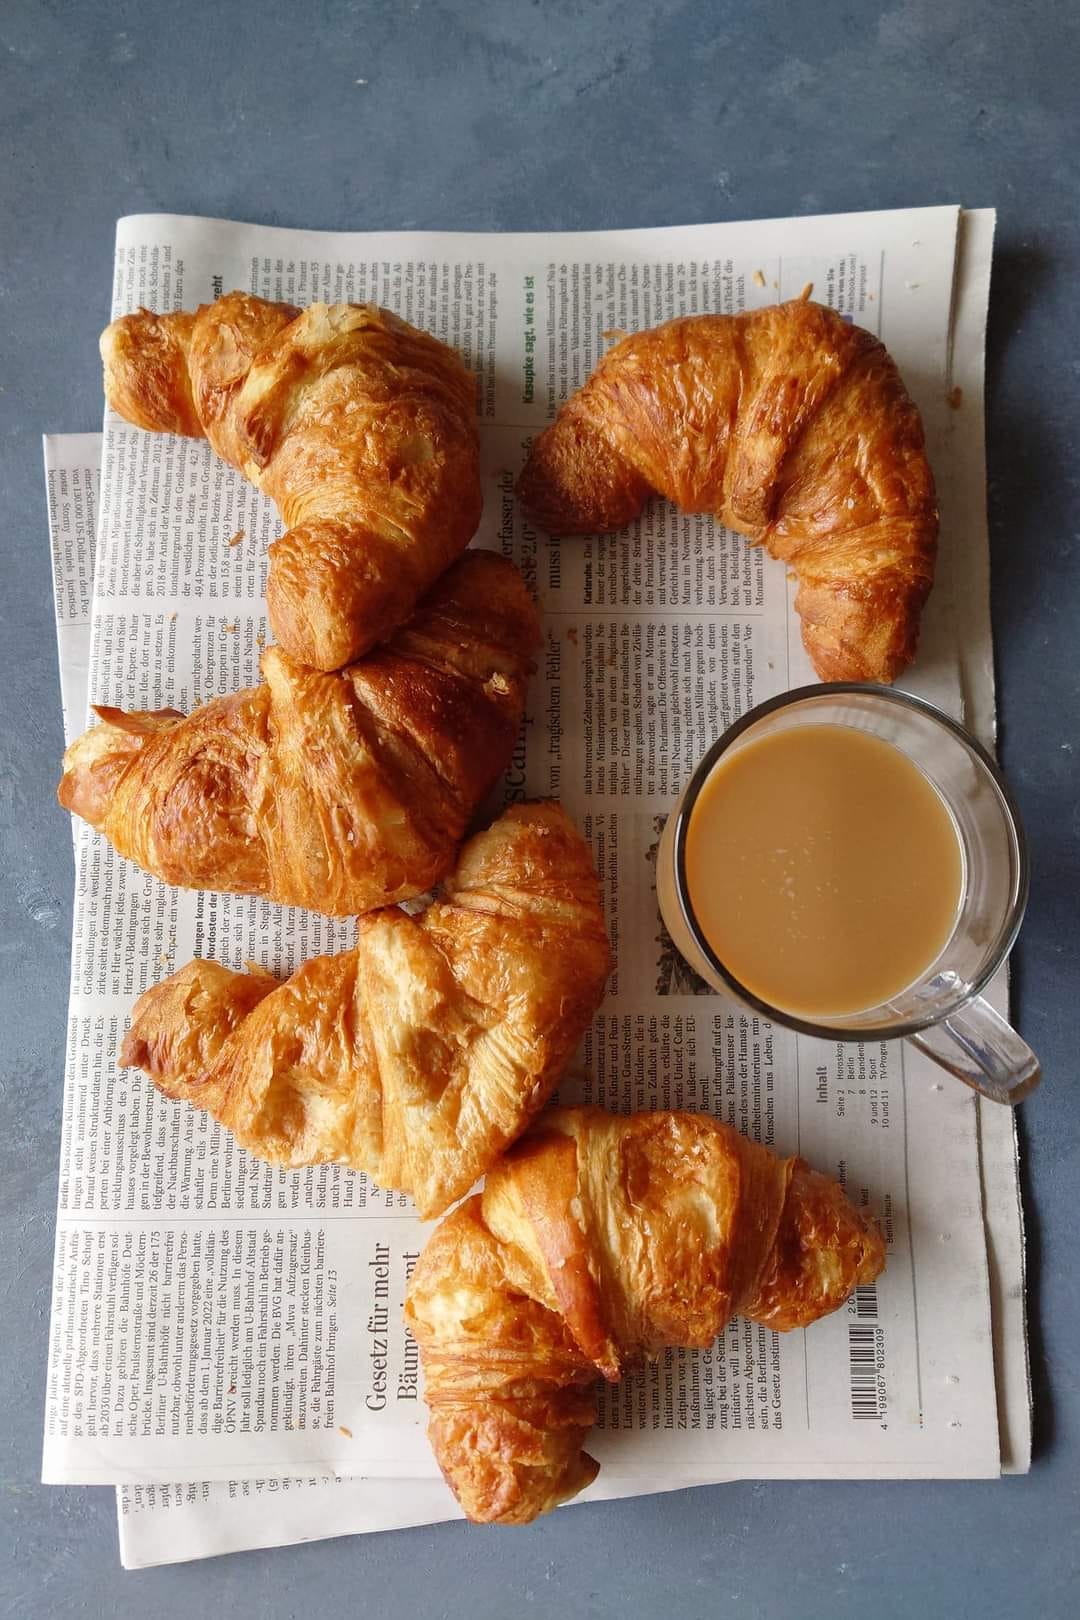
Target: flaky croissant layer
{"points": [[337, 792], [424, 1051], [598, 1241], [792, 427], [359, 427]]}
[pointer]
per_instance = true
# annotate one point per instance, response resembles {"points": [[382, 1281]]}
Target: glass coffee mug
{"points": [[943, 1011]]}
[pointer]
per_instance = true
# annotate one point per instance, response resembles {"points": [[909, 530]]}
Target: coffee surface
{"points": [[824, 869]]}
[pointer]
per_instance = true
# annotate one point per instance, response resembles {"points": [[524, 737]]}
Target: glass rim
{"points": [[1006, 935]]}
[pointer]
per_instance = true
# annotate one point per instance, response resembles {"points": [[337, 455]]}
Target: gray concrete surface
{"points": [[501, 115]]}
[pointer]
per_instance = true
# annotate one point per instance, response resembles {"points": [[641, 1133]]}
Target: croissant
{"points": [[338, 792], [793, 428], [361, 429], [597, 1241], [421, 1053]]}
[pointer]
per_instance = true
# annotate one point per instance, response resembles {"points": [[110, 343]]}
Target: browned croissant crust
{"points": [[597, 1241], [421, 1053], [338, 792], [361, 428], [792, 427]]}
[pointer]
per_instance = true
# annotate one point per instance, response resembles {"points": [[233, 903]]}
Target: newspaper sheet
{"points": [[171, 1523], [215, 1320]]}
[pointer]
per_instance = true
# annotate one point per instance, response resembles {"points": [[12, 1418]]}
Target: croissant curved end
{"points": [[179, 1025], [95, 762], [825, 1247], [325, 601], [496, 1478], [147, 381], [574, 482]]}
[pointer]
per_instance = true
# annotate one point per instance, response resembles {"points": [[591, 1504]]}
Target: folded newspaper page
{"points": [[172, 1523], [215, 1320]]}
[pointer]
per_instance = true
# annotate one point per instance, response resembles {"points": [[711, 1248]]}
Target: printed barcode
{"points": [[865, 1297], [862, 1351]]}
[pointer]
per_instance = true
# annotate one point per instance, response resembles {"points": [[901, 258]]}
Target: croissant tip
{"points": [[134, 1052]]}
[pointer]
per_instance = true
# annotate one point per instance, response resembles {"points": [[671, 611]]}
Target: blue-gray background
{"points": [[496, 115]]}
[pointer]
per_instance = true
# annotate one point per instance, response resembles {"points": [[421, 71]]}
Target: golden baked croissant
{"points": [[338, 792], [793, 428], [598, 1241], [361, 429], [421, 1053]]}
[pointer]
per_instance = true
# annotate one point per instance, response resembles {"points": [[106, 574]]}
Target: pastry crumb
{"points": [[955, 398], [571, 635], [163, 959], [613, 333], [343, 1430], [172, 618], [805, 294], [758, 278], [229, 626], [237, 537]]}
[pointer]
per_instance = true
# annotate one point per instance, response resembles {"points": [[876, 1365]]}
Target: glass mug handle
{"points": [[979, 1047]]}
